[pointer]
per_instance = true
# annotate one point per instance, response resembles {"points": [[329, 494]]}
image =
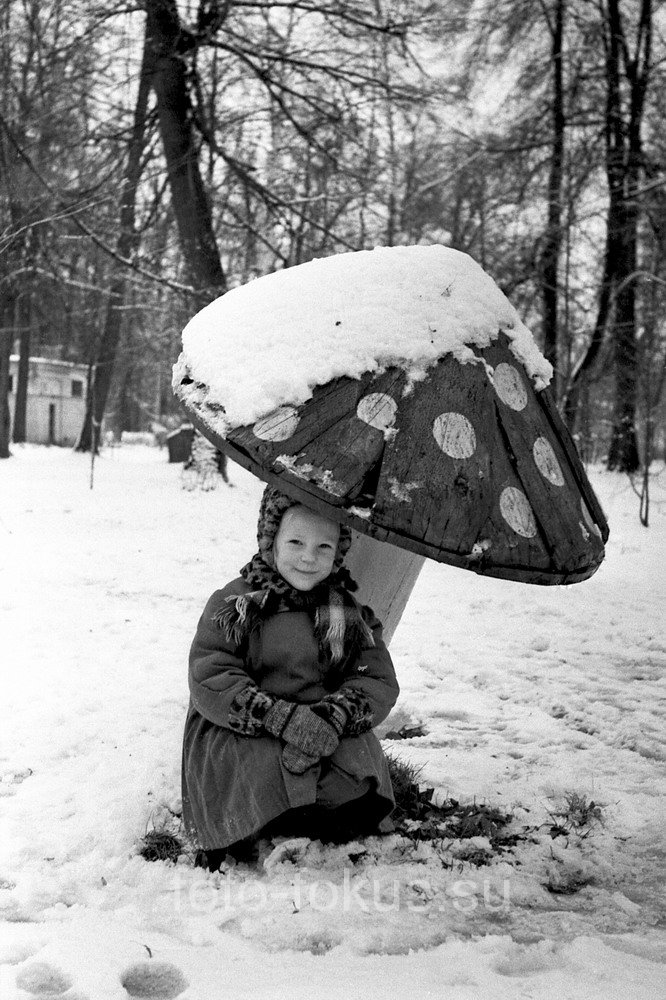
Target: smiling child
{"points": [[288, 676]]}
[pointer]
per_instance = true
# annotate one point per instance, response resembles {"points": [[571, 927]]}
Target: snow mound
{"points": [[270, 342]]}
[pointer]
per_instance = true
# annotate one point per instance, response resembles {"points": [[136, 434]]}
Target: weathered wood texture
{"points": [[469, 466]]}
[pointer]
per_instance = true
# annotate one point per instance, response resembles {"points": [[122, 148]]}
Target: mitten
{"points": [[296, 761], [299, 725], [332, 712], [348, 711]]}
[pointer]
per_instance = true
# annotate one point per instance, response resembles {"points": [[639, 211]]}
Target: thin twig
{"points": [[97, 240]]}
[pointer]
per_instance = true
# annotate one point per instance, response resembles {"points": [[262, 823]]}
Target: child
{"points": [[288, 675]]}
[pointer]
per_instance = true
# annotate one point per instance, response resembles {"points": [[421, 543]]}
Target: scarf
{"points": [[339, 625]]}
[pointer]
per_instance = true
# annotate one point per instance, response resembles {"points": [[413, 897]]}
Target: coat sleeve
{"points": [[221, 689], [370, 688]]}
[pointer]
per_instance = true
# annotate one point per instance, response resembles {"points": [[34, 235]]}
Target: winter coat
{"points": [[234, 781]]}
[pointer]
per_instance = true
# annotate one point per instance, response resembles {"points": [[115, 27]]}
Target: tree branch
{"points": [[268, 197], [396, 29], [97, 240]]}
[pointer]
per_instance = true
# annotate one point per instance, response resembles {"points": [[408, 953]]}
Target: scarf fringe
{"points": [[335, 635], [239, 617], [340, 628]]}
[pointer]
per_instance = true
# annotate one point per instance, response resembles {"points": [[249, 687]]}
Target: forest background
{"points": [[155, 154]]}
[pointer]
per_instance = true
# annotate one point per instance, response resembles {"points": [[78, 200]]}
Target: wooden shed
{"points": [[56, 400]]}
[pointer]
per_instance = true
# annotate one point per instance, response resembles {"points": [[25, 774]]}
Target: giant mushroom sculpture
{"points": [[398, 391]]}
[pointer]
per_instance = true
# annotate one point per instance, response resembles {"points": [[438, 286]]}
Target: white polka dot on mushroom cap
{"points": [[278, 425], [516, 511], [454, 434], [546, 461], [509, 386], [378, 409]]}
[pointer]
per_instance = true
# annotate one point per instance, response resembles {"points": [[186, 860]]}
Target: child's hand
{"points": [[296, 761], [300, 726]]}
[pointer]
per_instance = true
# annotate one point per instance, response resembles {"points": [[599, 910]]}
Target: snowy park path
{"points": [[529, 699]]}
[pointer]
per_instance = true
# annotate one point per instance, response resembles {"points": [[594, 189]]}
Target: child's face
{"points": [[305, 547]]}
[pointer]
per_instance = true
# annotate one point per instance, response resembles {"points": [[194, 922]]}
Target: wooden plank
{"points": [[347, 452], [540, 464], [421, 491], [330, 446], [561, 430], [446, 482], [328, 405]]}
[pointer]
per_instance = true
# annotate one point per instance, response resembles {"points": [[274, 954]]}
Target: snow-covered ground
{"points": [[527, 696]]}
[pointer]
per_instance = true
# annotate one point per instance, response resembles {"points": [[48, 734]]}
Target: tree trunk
{"points": [[553, 239], [581, 375], [623, 453], [617, 302], [125, 407], [163, 69], [21, 402], [624, 170], [103, 367], [6, 340], [127, 245], [167, 43]]}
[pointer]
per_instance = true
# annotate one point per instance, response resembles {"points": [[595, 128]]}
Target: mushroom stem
{"points": [[385, 575]]}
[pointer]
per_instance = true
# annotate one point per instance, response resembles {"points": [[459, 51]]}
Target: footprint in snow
{"points": [[154, 980], [43, 980], [11, 778], [528, 959], [15, 776]]}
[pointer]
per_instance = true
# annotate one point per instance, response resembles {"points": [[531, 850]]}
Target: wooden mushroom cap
{"points": [[470, 466]]}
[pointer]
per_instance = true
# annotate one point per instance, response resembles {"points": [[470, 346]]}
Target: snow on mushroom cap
{"points": [[271, 341]]}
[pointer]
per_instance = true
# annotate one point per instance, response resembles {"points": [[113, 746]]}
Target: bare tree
{"points": [[44, 61], [127, 244], [552, 244], [624, 168], [627, 74], [309, 67], [167, 44]]}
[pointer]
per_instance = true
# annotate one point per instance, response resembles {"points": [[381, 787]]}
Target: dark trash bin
{"points": [[179, 443]]}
